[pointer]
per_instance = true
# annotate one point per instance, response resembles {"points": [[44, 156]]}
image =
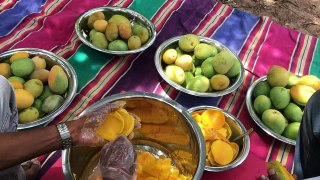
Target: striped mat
{"points": [[258, 41]]}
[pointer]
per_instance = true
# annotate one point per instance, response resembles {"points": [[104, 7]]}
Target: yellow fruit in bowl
{"points": [[24, 99], [170, 56], [184, 61], [175, 74]]}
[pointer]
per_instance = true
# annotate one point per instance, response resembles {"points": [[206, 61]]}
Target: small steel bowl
{"points": [[78, 162], [257, 120], [83, 30], [51, 59], [235, 82], [237, 129]]}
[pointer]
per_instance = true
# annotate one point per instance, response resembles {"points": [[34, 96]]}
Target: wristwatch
{"points": [[65, 135]]}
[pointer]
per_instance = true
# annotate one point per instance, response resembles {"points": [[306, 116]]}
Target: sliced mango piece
{"points": [[235, 148], [111, 127], [197, 118], [213, 118], [223, 132], [229, 131], [211, 159], [222, 152], [208, 146], [128, 121]]}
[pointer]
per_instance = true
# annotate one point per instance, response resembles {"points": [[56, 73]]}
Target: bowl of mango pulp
{"points": [[219, 128], [168, 136]]}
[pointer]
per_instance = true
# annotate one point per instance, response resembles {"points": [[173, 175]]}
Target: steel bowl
{"points": [[51, 60], [78, 162], [237, 129], [235, 82], [82, 29], [256, 118]]}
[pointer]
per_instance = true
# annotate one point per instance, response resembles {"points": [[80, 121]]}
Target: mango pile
{"points": [[116, 33], [199, 66], [116, 123], [279, 101], [38, 89], [216, 131], [152, 168]]}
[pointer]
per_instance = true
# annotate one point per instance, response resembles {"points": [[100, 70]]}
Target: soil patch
{"points": [[303, 16]]}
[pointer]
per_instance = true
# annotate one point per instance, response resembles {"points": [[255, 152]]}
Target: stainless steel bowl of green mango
{"points": [[44, 84], [199, 66], [282, 123], [115, 30]]}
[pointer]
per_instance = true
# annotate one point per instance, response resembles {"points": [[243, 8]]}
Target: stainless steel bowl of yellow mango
{"points": [[173, 43], [220, 141], [167, 130], [51, 59], [132, 17]]}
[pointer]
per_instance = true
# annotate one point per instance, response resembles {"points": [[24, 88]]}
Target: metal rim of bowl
{"points": [[151, 28], [257, 120], [202, 155], [160, 70], [246, 145], [66, 66]]}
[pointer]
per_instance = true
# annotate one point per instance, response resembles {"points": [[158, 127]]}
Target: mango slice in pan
{"points": [[213, 118], [222, 152]]}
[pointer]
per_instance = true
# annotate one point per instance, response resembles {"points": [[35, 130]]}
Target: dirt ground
{"points": [[301, 15]]}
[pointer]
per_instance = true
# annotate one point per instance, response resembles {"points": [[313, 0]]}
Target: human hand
{"points": [[118, 159], [272, 175]]}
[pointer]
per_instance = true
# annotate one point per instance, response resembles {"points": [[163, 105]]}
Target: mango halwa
{"points": [[216, 131], [151, 168]]}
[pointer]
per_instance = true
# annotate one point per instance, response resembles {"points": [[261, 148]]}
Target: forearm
{"points": [[17, 147]]}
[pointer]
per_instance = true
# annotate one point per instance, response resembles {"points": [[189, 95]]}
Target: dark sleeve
{"points": [[307, 150]]}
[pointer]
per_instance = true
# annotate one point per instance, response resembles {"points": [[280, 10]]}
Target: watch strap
{"points": [[65, 135]]}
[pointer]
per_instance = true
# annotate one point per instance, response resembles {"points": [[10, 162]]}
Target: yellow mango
{"points": [[19, 55], [5, 70], [39, 63], [213, 118], [281, 171], [16, 84], [310, 80], [235, 148], [57, 80], [111, 127], [128, 121], [24, 99], [301, 94], [222, 152]]}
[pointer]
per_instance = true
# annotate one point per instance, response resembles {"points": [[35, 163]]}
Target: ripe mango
{"points": [[277, 76], [98, 39], [57, 80], [34, 87], [5, 70], [22, 67], [219, 82], [23, 98], [93, 17], [117, 18], [184, 61], [100, 25], [125, 30], [112, 31], [281, 171], [52, 103], [39, 63], [16, 84], [134, 42], [142, 33], [28, 115], [223, 62], [19, 55], [16, 78], [273, 119], [301, 94], [310, 80], [41, 74], [280, 97], [188, 42]]}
